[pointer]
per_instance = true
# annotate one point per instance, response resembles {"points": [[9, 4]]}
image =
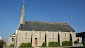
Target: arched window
{"points": [[53, 35], [40, 34], [78, 40], [65, 34], [12, 39], [26, 34]]}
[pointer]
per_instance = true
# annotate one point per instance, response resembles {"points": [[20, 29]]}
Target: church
{"points": [[37, 32]]}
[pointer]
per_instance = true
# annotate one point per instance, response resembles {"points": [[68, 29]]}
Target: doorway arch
{"points": [[36, 41]]}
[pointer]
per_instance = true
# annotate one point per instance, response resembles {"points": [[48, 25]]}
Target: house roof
{"points": [[45, 26], [81, 34]]}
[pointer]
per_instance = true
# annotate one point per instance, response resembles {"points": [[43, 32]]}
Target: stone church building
{"points": [[37, 32]]}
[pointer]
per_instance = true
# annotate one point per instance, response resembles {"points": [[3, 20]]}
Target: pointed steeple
{"points": [[22, 15]]}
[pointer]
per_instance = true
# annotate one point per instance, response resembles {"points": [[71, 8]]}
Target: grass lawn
{"points": [[65, 47]]}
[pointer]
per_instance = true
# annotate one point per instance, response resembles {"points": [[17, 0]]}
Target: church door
{"points": [[36, 41]]}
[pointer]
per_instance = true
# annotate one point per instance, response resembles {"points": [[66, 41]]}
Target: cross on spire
{"points": [[23, 1]]}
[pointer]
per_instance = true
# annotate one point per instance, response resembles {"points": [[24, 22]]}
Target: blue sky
{"points": [[71, 11]]}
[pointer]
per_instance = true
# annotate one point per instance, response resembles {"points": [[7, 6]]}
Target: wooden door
{"points": [[36, 41]]}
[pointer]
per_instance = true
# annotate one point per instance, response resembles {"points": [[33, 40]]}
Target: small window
{"points": [[12, 39], [65, 34], [26, 34], [40, 34], [78, 40], [53, 35]]}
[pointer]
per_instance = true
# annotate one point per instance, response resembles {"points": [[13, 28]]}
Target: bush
{"points": [[54, 44], [67, 43], [75, 42], [1, 43], [84, 44], [44, 44], [11, 45], [57, 43], [26, 45]]}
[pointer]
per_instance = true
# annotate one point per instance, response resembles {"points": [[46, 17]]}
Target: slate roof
{"points": [[45, 26]]}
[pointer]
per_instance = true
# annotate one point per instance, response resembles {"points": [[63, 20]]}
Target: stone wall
{"points": [[79, 39], [26, 36], [51, 36], [23, 37], [40, 35], [9, 41]]}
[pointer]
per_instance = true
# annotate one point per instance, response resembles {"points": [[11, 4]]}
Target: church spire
{"points": [[22, 15]]}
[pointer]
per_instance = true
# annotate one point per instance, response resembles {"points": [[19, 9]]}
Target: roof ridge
{"points": [[46, 22]]}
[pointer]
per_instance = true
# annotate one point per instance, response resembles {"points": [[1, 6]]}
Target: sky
{"points": [[70, 11]]}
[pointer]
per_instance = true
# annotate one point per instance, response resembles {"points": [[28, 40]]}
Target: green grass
{"points": [[66, 46], [50, 46], [55, 46]]}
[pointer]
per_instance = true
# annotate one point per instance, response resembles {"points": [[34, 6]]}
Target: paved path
{"points": [[9, 47]]}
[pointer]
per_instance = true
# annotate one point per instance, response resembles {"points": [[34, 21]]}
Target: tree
{"points": [[1, 43]]}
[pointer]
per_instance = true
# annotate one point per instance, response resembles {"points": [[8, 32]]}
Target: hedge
{"points": [[1, 43], [26, 45], [76, 42], [84, 44], [54, 44], [44, 44], [11, 45], [67, 43]]}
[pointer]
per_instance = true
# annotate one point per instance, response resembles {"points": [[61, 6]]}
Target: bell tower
{"points": [[22, 15]]}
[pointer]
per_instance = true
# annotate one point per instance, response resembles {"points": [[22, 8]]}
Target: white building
{"points": [[11, 40], [0, 38]]}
